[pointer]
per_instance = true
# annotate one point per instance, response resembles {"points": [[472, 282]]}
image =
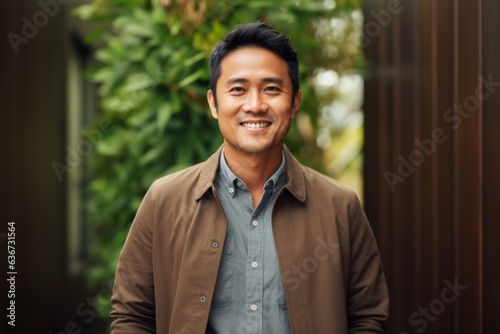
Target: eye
{"points": [[272, 89], [237, 90]]}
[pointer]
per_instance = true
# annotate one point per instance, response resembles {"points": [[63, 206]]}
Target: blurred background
{"points": [[401, 102]]}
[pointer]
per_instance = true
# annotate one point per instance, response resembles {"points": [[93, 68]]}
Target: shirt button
{"points": [[238, 184], [253, 307], [203, 299], [215, 244], [255, 223], [231, 190], [255, 264]]}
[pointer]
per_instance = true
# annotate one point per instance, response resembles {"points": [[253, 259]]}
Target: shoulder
{"points": [[176, 183], [307, 184], [319, 184], [184, 175], [325, 181], [325, 192], [194, 180]]}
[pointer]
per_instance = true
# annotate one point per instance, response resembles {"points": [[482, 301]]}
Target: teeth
{"points": [[256, 125]]}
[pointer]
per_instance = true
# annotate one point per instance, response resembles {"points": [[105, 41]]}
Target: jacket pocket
{"points": [[224, 287]]}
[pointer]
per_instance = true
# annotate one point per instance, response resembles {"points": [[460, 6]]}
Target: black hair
{"points": [[256, 34]]}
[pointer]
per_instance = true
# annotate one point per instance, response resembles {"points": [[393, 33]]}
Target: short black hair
{"points": [[256, 34]]}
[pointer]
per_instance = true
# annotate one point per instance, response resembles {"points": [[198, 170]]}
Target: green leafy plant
{"points": [[153, 78]]}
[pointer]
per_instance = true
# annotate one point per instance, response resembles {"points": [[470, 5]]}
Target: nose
{"points": [[254, 103]]}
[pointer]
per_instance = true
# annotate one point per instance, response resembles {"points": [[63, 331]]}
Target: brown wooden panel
{"points": [[442, 187], [404, 129], [432, 223], [491, 168], [424, 115], [469, 163]]}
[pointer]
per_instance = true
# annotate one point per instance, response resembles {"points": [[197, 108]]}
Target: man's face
{"points": [[254, 101]]}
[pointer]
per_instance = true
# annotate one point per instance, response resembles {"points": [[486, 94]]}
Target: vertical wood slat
{"points": [[415, 82], [443, 181], [426, 32], [469, 162], [491, 166]]}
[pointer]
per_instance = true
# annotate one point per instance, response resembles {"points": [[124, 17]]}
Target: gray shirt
{"points": [[249, 296]]}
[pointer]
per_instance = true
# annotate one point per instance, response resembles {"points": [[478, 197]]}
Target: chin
{"points": [[256, 149]]}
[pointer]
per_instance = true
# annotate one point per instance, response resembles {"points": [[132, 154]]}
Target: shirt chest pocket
{"points": [[224, 287]]}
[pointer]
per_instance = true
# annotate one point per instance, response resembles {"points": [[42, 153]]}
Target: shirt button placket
{"points": [[255, 284]]}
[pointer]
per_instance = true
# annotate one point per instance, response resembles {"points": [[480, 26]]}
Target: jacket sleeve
{"points": [[133, 299], [367, 295]]}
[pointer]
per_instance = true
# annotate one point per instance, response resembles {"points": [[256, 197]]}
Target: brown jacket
{"points": [[329, 261]]}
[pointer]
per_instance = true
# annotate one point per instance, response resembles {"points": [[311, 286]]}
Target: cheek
{"points": [[228, 110]]}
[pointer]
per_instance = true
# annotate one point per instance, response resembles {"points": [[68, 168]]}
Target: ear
{"points": [[296, 103], [211, 104]]}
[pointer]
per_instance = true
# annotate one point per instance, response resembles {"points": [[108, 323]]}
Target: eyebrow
{"points": [[275, 80]]}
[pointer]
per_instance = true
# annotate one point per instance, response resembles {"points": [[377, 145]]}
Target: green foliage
{"points": [[153, 78]]}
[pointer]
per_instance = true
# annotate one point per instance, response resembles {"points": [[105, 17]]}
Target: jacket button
{"points": [[215, 244]]}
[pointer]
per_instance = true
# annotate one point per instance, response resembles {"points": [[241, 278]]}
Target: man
{"points": [[250, 241]]}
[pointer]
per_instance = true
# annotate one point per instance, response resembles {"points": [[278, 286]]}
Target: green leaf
{"points": [[136, 82], [86, 12], [153, 154], [164, 114], [192, 78], [112, 145], [191, 61], [130, 27]]}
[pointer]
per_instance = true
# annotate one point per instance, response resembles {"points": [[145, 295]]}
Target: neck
{"points": [[253, 169]]}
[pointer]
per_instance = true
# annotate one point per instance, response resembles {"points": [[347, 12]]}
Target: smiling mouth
{"points": [[258, 125]]}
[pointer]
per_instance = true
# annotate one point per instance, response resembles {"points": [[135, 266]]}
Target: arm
{"points": [[133, 299], [367, 295]]}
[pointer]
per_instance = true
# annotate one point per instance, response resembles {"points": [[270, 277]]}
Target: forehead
{"points": [[251, 62]]}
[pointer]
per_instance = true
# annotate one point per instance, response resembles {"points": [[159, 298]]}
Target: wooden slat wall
{"points": [[437, 225]]}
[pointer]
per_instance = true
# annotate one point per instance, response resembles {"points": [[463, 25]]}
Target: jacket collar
{"points": [[295, 183]]}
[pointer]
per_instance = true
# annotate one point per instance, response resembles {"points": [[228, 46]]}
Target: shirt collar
{"points": [[232, 182], [295, 178]]}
